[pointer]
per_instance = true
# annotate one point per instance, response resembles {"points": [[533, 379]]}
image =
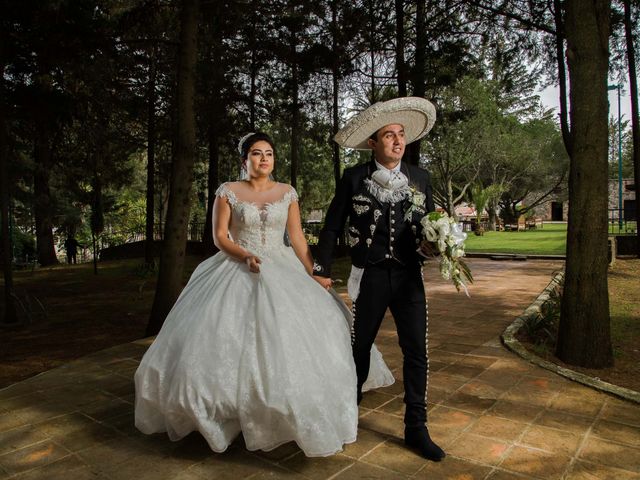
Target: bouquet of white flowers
{"points": [[447, 234]]}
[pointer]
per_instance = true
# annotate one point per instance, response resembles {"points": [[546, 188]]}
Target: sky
{"points": [[549, 97]]}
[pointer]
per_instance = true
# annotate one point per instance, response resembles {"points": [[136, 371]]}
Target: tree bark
{"points": [[43, 159], [295, 106], [401, 66], [9, 315], [335, 74], [212, 183], [418, 77], [562, 76], [214, 108], [584, 333], [175, 235], [151, 158], [635, 121]]}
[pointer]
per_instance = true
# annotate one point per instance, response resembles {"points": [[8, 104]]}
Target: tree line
{"points": [[127, 113]]}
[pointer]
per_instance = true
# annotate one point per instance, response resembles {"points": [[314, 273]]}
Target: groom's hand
{"points": [[324, 281], [428, 249]]}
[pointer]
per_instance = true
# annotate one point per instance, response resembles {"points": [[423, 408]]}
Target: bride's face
{"points": [[260, 159]]}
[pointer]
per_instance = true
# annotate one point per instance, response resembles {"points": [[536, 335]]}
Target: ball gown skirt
{"points": [[266, 353]]}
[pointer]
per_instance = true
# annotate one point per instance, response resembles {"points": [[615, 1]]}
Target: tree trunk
{"points": [[42, 195], [9, 315], [401, 66], [151, 156], [175, 234], [335, 90], [418, 78], [372, 52], [584, 334], [214, 108], [562, 77], [43, 159], [635, 121], [212, 183], [253, 71], [295, 107]]}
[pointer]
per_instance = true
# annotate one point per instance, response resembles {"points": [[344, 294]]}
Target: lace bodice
{"points": [[258, 223]]}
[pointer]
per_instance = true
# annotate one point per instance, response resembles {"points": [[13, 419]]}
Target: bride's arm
{"points": [[296, 236], [221, 218]]}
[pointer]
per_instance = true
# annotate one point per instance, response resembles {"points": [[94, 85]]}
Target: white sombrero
{"points": [[415, 114]]}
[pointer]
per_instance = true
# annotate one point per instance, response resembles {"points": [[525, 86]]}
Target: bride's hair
{"points": [[248, 140]]}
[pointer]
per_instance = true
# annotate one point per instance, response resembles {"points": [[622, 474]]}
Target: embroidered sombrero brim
{"points": [[415, 114]]}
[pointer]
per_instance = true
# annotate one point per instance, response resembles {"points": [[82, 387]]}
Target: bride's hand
{"points": [[253, 263], [325, 282]]}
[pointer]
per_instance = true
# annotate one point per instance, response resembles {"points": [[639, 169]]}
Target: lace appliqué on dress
{"points": [[225, 192]]}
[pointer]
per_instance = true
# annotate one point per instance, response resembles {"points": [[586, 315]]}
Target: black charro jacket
{"points": [[376, 231]]}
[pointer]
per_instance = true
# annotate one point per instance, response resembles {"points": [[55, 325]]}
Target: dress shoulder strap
{"points": [[225, 192]]}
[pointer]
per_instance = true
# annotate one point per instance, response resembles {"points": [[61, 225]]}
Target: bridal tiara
{"points": [[242, 140]]}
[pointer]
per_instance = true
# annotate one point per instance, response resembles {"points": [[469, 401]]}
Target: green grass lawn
{"points": [[548, 240]]}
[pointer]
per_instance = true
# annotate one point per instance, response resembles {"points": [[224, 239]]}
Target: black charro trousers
{"points": [[389, 284]]}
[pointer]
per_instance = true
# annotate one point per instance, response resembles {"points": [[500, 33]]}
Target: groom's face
{"points": [[389, 144]]}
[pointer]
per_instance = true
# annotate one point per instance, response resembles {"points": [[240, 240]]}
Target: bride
{"points": [[253, 343]]}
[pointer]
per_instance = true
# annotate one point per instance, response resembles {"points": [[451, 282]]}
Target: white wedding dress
{"points": [[267, 354]]}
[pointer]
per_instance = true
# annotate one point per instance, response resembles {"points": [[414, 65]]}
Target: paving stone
{"points": [[622, 412], [69, 467], [588, 471], [230, 465], [536, 463], [395, 455], [19, 437], [395, 407], [373, 399], [605, 452], [383, 423], [361, 471], [576, 404], [64, 424], [450, 419], [446, 381], [469, 403], [617, 432], [107, 456], [396, 388], [106, 409], [483, 390], [318, 468], [277, 454], [500, 376], [521, 412], [437, 396], [452, 468], [150, 468], [484, 450], [498, 474], [498, 428], [367, 441], [457, 348], [552, 440], [467, 372], [564, 421], [33, 456], [87, 438], [11, 420]]}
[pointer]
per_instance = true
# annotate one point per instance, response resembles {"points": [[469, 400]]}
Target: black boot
{"points": [[418, 438]]}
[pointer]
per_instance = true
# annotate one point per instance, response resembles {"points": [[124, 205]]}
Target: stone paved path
{"points": [[497, 416]]}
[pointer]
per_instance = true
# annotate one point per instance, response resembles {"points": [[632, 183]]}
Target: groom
{"points": [[384, 201]]}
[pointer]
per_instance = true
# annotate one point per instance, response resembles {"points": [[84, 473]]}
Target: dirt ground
{"points": [[624, 303], [86, 313]]}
